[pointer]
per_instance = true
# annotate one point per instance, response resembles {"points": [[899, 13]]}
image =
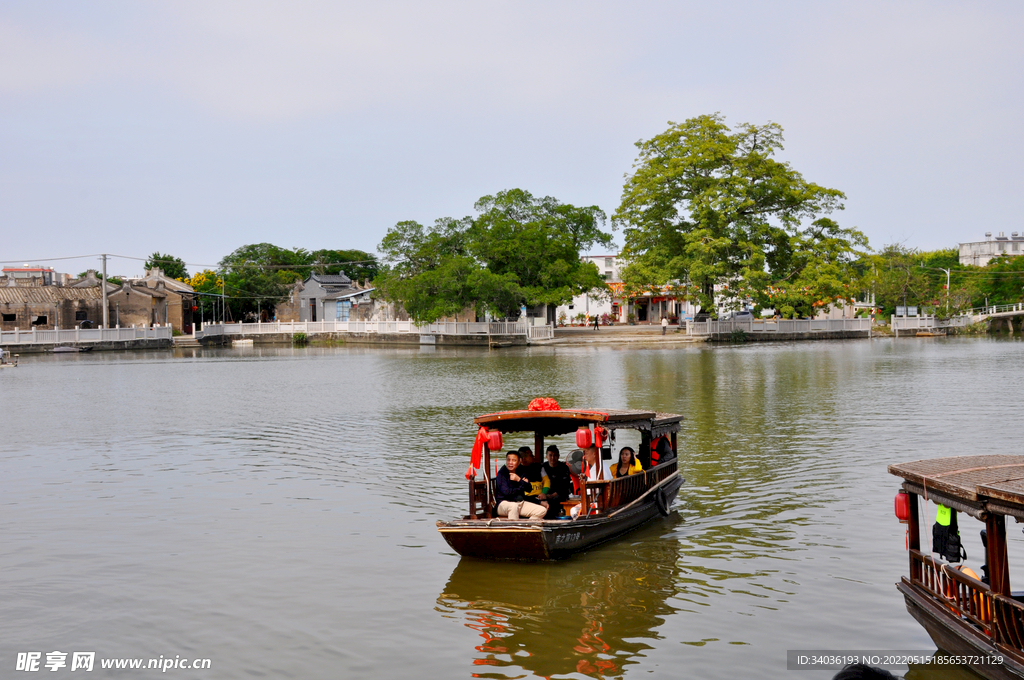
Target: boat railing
{"points": [[608, 494], [965, 596], [1008, 619]]}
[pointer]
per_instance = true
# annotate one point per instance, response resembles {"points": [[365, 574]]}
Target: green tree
{"points": [[208, 284], [173, 267], [355, 264], [519, 250], [706, 205], [257, 276], [900, 280], [1001, 282]]}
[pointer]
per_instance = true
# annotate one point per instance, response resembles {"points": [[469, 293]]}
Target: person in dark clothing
{"points": [[559, 482], [530, 468], [510, 490]]}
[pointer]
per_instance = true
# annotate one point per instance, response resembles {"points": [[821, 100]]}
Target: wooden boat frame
{"points": [[616, 505], [963, 615]]}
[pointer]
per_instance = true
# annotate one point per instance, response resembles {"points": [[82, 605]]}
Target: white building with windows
{"points": [[646, 308], [980, 253]]}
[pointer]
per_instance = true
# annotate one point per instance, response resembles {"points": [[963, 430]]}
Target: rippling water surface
{"points": [[273, 510]]}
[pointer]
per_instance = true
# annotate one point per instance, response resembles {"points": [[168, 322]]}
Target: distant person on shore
{"points": [[510, 492], [628, 464], [597, 321], [664, 324]]}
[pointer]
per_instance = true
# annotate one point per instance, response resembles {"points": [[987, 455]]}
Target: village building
{"points": [[328, 297], [614, 305], [154, 299], [41, 307], [980, 253]]}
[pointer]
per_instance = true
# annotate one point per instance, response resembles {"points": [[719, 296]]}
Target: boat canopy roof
{"points": [[549, 423], [972, 484]]}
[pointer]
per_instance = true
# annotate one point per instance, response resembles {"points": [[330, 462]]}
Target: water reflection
{"points": [[594, 615]]}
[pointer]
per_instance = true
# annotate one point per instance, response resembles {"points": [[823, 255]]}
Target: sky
{"points": [[193, 128]]}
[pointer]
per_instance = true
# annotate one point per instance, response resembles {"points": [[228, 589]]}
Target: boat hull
{"points": [[539, 540], [956, 637]]}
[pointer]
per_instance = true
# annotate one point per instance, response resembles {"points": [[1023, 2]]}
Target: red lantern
{"points": [[903, 506], [494, 440], [583, 438]]}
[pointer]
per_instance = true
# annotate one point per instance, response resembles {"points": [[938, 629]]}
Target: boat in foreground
{"points": [[610, 507], [974, 617]]}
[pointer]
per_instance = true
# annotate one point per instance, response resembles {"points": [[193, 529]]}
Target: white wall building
{"points": [[646, 308], [979, 253]]}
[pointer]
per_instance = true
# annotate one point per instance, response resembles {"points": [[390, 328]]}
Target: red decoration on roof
{"points": [[544, 404]]}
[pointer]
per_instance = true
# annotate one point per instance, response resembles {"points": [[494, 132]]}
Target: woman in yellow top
{"points": [[628, 464]]}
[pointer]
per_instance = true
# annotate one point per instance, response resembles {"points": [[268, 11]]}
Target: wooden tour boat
{"points": [[977, 618], [610, 507]]}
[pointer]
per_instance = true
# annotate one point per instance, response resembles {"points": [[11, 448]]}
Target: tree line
{"points": [[708, 212], [255, 278]]}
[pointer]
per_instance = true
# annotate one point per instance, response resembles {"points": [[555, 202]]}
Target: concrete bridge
{"points": [[999, 316]]}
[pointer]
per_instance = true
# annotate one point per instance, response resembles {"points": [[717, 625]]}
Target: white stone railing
{"points": [[994, 310], [777, 326], [541, 332], [82, 335], [441, 328], [923, 323]]}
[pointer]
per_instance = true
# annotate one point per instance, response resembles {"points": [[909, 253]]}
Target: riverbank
{"points": [[631, 335]]}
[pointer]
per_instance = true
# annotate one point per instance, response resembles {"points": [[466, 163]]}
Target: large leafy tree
{"points": [[707, 205], [173, 267], [519, 250]]}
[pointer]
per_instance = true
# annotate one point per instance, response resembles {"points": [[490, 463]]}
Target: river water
{"points": [[273, 509]]}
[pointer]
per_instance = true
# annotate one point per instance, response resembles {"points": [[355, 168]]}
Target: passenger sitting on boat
{"points": [[530, 468], [628, 464], [592, 467], [510, 492], [560, 480]]}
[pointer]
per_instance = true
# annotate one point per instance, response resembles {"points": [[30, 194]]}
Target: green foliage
{"points": [[300, 339], [173, 267], [258, 275], [708, 205], [899, 278], [355, 264], [1001, 283], [519, 250], [209, 283], [899, 274]]}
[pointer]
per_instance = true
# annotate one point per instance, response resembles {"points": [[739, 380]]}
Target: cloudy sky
{"points": [[196, 127]]}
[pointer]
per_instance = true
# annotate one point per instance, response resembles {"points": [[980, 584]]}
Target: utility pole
{"points": [[103, 287], [942, 269]]}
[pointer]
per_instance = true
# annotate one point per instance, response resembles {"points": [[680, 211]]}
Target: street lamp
{"points": [[941, 269]]}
